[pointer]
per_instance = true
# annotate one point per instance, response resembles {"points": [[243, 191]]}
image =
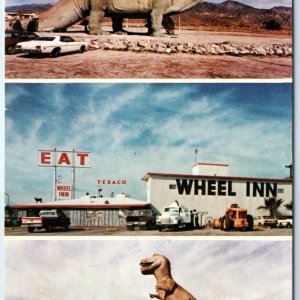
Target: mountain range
{"points": [[230, 14]]}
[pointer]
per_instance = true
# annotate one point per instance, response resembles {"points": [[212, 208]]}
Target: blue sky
{"points": [[213, 269], [134, 128], [255, 3]]}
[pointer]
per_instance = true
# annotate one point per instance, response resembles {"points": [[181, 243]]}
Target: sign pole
{"points": [[73, 176], [54, 179]]}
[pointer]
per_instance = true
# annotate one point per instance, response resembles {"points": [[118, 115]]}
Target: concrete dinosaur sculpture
{"points": [[167, 288], [67, 12]]}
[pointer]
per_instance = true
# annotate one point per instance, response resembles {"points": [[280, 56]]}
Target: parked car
{"points": [[52, 45], [286, 223], [47, 219], [13, 37], [265, 221]]}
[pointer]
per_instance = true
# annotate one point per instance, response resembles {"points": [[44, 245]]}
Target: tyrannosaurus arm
{"points": [[154, 296]]}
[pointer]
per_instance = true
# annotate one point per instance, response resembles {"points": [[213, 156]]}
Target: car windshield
{"points": [[45, 38]]}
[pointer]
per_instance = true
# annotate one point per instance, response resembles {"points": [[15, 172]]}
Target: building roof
{"points": [[119, 201], [209, 164], [148, 175]]}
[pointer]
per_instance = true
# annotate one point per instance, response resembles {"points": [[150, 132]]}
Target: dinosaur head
{"points": [[151, 264]]}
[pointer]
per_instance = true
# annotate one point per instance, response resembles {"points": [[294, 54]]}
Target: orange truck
{"points": [[234, 218]]}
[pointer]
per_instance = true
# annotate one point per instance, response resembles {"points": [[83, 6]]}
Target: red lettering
{"points": [[82, 157], [124, 181], [46, 158], [64, 159], [98, 181], [63, 188], [64, 194]]}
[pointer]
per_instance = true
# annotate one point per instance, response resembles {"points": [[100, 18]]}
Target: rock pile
{"points": [[225, 48]]}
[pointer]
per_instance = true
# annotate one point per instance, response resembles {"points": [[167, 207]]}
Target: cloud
{"points": [[88, 269], [132, 129]]}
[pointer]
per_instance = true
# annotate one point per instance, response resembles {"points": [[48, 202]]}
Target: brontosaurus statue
{"points": [[167, 288], [67, 12]]}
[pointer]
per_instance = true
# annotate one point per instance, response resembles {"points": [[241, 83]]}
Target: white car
{"points": [[286, 223], [53, 45], [265, 221]]}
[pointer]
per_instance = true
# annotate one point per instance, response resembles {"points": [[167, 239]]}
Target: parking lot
{"points": [[207, 231]]}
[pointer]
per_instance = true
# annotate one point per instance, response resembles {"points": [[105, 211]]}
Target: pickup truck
{"points": [[142, 219], [286, 223], [47, 219], [174, 216], [265, 221]]}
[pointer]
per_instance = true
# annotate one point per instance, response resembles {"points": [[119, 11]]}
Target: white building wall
{"points": [[210, 169], [160, 195]]}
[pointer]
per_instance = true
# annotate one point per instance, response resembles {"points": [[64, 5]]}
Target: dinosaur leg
{"points": [[117, 25], [156, 20], [97, 13]]}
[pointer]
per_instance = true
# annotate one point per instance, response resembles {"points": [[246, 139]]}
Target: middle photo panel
{"points": [[149, 158]]}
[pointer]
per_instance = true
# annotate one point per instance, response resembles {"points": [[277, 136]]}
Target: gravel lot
{"points": [[111, 64], [258, 231]]}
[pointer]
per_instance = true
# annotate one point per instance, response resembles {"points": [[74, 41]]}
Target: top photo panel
{"points": [[148, 39]]}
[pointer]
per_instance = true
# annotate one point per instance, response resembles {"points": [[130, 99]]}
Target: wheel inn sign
{"points": [[72, 159]]}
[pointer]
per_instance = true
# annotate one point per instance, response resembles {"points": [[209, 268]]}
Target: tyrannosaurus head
{"points": [[149, 265]]}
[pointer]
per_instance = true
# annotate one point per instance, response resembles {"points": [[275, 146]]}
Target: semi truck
{"points": [[174, 216], [47, 219]]}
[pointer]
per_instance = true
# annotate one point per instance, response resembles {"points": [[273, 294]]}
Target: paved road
{"points": [[258, 231]]}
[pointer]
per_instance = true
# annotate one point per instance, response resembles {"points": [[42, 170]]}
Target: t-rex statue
{"points": [[67, 12], [166, 287]]}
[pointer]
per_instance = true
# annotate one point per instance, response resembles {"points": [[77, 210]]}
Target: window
{"points": [[66, 39], [172, 186], [280, 191], [45, 38]]}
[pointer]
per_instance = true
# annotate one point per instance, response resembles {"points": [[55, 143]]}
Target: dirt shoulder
{"points": [[112, 64]]}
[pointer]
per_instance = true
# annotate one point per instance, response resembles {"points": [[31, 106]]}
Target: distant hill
{"points": [[231, 15], [235, 15], [28, 8]]}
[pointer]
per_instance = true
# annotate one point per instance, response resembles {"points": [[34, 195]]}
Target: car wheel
{"points": [[226, 223], [29, 229], [10, 50], [55, 52], [288, 225], [66, 227], [49, 228], [82, 49], [160, 228]]}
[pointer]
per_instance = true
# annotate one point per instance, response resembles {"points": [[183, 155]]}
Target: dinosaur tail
{"points": [[63, 14]]}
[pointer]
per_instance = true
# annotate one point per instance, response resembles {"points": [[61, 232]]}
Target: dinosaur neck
{"points": [[184, 5], [162, 275], [63, 14]]}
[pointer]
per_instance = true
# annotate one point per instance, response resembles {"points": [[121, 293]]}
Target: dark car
{"points": [[12, 38]]}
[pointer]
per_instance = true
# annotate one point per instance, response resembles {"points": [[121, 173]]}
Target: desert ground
{"points": [[101, 62], [207, 231]]}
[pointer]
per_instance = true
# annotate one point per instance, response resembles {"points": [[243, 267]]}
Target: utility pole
{"points": [[196, 151]]}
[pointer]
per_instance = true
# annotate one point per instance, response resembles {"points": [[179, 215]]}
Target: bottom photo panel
{"points": [[137, 269]]}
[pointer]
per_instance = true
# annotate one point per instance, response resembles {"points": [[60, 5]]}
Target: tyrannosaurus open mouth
{"points": [[147, 267]]}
